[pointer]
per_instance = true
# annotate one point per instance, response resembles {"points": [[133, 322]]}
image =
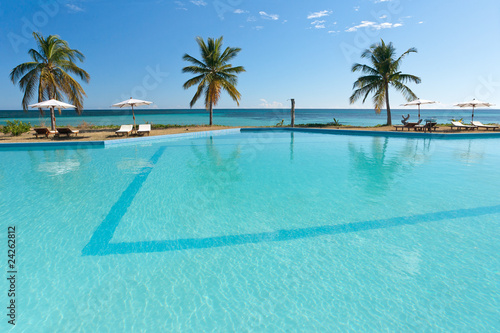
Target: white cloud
{"points": [[420, 22], [356, 8], [383, 17], [273, 17], [180, 5], [74, 8], [240, 11], [319, 14], [198, 2], [251, 19], [319, 24], [374, 25], [258, 27], [266, 104]]}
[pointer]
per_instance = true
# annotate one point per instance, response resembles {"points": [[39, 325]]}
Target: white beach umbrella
{"points": [[418, 102], [474, 104], [132, 102], [52, 104]]}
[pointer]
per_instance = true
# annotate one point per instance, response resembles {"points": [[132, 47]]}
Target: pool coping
{"points": [[408, 134], [118, 142], [201, 134]]}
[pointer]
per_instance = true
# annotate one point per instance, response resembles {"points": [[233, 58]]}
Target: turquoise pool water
{"points": [[256, 231]]}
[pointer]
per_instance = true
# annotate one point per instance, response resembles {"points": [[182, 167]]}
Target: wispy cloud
{"points": [[267, 16], [319, 14], [198, 2], [240, 11], [251, 19], [180, 5], [258, 27], [374, 25], [274, 104], [356, 8], [74, 8], [318, 24]]}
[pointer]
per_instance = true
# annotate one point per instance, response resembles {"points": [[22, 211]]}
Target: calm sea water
{"points": [[245, 117]]}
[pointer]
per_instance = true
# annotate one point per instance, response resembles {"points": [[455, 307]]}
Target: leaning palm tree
{"points": [[383, 73], [213, 73], [47, 75]]}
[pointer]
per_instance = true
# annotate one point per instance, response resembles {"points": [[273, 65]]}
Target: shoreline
{"points": [[108, 134]]}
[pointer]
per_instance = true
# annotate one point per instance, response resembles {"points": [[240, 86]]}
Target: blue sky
{"points": [[290, 49]]}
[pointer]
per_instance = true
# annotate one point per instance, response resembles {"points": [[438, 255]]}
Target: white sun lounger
{"points": [[459, 125], [143, 129], [480, 124], [124, 129]]}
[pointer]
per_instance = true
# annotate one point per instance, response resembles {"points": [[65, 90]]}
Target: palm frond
{"points": [[191, 82], [193, 60], [407, 93]]}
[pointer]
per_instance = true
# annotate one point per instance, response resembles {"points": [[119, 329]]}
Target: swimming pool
{"points": [[256, 231]]}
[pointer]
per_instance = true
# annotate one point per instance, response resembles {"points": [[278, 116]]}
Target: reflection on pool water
{"points": [[257, 231]]}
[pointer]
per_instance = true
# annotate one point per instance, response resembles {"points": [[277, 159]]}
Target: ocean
{"points": [[243, 117]]}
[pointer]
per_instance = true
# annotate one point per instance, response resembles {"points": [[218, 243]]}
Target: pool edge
{"points": [[148, 139]]}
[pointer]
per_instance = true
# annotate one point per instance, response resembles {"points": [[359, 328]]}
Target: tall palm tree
{"points": [[213, 73], [47, 75], [383, 73]]}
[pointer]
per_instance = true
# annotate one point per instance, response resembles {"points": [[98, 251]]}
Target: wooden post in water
{"points": [[293, 112]]}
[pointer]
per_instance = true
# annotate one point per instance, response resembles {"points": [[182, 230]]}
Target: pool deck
{"points": [[155, 138]]}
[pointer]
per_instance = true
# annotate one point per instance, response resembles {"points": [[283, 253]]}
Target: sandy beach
{"points": [[109, 133]]}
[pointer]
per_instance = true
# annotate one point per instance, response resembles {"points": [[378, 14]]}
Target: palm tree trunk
{"points": [[211, 113], [52, 119], [389, 118]]}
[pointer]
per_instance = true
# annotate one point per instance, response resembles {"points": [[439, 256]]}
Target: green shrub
{"points": [[16, 127]]}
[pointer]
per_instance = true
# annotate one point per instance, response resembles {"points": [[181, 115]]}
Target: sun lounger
{"points": [[430, 124], [459, 126], [143, 129], [480, 124], [43, 131], [124, 129], [66, 130], [407, 125]]}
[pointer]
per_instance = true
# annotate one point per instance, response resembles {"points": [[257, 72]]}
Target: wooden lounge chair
{"points": [[407, 125], [459, 126], [43, 131], [125, 129], [480, 124], [143, 129], [66, 130]]}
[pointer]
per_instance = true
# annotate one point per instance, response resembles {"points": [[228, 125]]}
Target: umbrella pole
{"points": [[419, 112], [473, 113]]}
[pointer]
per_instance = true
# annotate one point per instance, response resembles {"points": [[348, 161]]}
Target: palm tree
{"points": [[213, 73], [383, 73], [47, 75]]}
